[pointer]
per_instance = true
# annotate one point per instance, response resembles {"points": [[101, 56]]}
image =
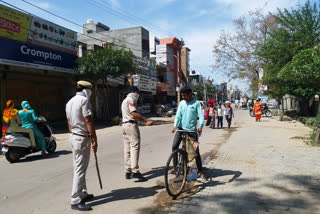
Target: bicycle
{"points": [[177, 168]]}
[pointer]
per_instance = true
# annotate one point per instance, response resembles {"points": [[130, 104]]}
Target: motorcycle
{"points": [[165, 111], [265, 112], [18, 145]]}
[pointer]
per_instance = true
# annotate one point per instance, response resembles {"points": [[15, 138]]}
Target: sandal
{"points": [[171, 171], [202, 177]]}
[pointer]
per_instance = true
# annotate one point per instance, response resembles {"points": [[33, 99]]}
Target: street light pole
{"points": [[178, 79]]}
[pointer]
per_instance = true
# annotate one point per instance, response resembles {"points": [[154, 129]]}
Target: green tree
{"points": [[200, 89], [235, 54], [98, 65], [302, 74], [296, 30]]}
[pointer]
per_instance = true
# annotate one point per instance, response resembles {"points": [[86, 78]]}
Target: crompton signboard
{"points": [[14, 24], [50, 35], [28, 55]]}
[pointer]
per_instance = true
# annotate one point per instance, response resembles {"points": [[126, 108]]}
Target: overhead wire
{"points": [[128, 16], [67, 20], [112, 7], [99, 5]]}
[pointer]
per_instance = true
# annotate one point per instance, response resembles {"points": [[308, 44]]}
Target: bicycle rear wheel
{"points": [[175, 175]]}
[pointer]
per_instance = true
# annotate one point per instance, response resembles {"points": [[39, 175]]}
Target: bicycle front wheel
{"points": [[175, 175]]}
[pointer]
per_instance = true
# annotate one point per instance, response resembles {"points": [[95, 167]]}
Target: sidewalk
{"points": [[262, 168]]}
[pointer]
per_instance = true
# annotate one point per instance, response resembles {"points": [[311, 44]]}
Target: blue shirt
{"points": [[187, 113]]}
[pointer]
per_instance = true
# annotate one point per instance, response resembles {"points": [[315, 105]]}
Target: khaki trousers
{"points": [[24, 130], [131, 140], [81, 156]]}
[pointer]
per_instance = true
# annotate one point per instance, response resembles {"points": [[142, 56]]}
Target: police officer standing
{"points": [[131, 134], [83, 135]]}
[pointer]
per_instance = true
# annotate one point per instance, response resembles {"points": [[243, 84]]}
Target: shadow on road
{"points": [[124, 194], [301, 195], [211, 174], [154, 172], [39, 157]]}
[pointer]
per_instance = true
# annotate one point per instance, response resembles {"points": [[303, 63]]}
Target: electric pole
{"points": [[178, 79], [180, 44]]}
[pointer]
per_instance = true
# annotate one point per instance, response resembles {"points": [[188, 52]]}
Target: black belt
{"points": [[131, 121], [81, 135]]}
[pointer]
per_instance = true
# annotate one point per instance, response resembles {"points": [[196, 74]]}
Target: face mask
{"points": [[135, 96], [87, 92]]}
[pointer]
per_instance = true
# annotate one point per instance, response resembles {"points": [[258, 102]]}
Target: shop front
{"points": [[36, 63], [146, 82]]}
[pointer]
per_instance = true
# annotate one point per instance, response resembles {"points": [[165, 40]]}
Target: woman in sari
{"points": [[12, 122]]}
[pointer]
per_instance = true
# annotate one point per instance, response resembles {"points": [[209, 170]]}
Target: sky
{"points": [[197, 22]]}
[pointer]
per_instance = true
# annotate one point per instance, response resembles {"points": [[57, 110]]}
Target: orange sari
{"points": [[8, 113]]}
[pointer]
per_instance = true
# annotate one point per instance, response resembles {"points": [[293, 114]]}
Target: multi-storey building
{"points": [[136, 38], [169, 54]]}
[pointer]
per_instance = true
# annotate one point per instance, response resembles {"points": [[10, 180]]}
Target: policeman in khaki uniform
{"points": [[83, 135], [131, 134]]}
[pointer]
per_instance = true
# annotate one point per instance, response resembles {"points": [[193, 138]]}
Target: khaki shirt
{"points": [[77, 109], [127, 107]]}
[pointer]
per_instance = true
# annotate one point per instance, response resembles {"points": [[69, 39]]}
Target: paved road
{"points": [[36, 185], [258, 169], [262, 168]]}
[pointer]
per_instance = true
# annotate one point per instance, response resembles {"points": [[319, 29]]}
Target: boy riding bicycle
{"points": [[188, 111]]}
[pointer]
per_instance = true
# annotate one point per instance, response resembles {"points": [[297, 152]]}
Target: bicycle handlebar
{"points": [[187, 131]]}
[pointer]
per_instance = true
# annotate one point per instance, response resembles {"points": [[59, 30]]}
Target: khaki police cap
{"points": [[84, 84]]}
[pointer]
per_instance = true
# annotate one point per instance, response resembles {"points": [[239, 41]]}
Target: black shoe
{"points": [[89, 197], [139, 176], [81, 207], [128, 175]]}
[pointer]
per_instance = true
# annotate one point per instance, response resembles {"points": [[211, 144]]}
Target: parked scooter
{"points": [[265, 111], [18, 145], [251, 112], [164, 111]]}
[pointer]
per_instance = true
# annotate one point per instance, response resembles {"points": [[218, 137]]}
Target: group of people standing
{"points": [[213, 113], [83, 135]]}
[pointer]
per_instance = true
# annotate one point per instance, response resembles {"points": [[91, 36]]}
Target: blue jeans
{"points": [[220, 121]]}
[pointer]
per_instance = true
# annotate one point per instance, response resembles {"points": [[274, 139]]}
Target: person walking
{"points": [[257, 107], [212, 114], [186, 119], [83, 134], [220, 116], [228, 112], [131, 134]]}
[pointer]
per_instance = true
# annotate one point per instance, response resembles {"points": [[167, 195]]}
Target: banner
{"points": [[47, 34], [28, 55], [14, 24]]}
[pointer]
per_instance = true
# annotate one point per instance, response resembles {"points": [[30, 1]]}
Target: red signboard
{"points": [[9, 25]]}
